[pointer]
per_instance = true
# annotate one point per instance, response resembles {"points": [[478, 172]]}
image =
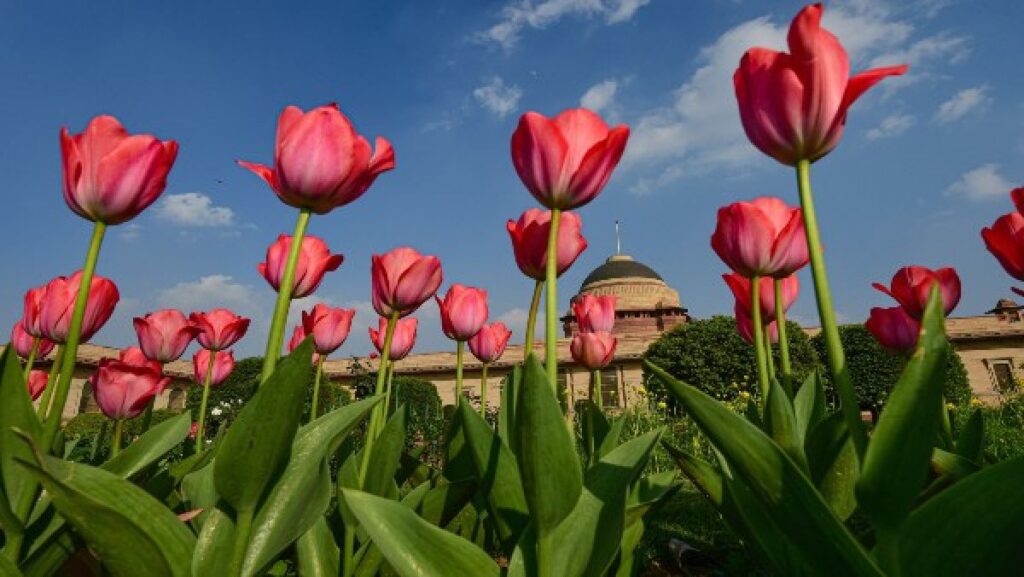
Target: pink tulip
{"points": [[401, 342], [793, 105], [123, 390], [403, 279], [59, 304], [329, 327], [111, 176], [740, 287], [37, 383], [219, 328], [567, 160], [593, 350], [763, 237], [463, 311], [31, 312], [193, 430], [489, 343], [320, 161], [135, 357], [594, 314], [530, 241], [299, 335], [315, 260], [1005, 240], [911, 286], [745, 326], [894, 329], [165, 334], [223, 364], [23, 342], [1017, 196]]}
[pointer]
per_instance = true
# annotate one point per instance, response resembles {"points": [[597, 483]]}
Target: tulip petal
{"points": [[596, 167], [861, 82], [1017, 195], [538, 153], [262, 171]]}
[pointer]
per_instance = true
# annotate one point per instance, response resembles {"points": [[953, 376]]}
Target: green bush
{"points": [[83, 430], [425, 425], [1004, 429]]}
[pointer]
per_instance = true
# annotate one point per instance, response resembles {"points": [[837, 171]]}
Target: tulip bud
{"points": [[894, 329], [219, 328], [329, 327], [463, 311], [912, 285], [401, 342], [58, 305], [763, 237], [299, 335], [165, 334], [31, 315], [315, 260], [593, 350], [594, 314], [23, 342], [530, 241], [123, 390], [489, 343], [402, 280], [37, 383], [223, 365]]}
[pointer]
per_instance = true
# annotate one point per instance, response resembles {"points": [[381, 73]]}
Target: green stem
{"points": [[348, 569], [829, 328], [147, 418], [375, 416], [483, 392], [758, 330], [595, 391], [597, 388], [44, 401], [768, 352], [316, 387], [388, 377], [70, 355], [31, 357], [201, 428], [780, 321], [551, 302], [460, 351], [243, 526], [531, 321], [275, 338], [115, 443]]}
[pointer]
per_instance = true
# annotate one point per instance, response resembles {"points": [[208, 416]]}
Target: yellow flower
{"points": [[744, 395], [662, 405], [950, 407], [975, 402]]}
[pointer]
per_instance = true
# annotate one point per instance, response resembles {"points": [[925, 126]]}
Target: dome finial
{"points": [[618, 239]]}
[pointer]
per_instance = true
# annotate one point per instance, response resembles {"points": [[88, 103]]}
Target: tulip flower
{"points": [[135, 357], [593, 350], [565, 161], [489, 343], [1005, 240], [329, 326], [402, 340], [793, 105], [594, 314], [31, 316], [315, 260], [530, 241], [111, 176], [763, 237], [1017, 196], [59, 302], [402, 280], [123, 390], [740, 287], [219, 328], [299, 335], [37, 383], [165, 334], [463, 311], [25, 344], [745, 326], [894, 329], [223, 365], [320, 161], [911, 286]]}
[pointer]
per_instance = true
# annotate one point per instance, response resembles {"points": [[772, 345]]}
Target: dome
{"points": [[619, 267], [636, 286]]}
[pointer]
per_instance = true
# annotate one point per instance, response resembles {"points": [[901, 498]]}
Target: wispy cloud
{"points": [[982, 183], [601, 96], [892, 125], [497, 97], [962, 103], [193, 209], [522, 14]]}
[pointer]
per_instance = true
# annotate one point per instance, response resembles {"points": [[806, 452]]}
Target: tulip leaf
{"points": [[215, 545], [317, 552], [897, 461], [702, 474], [951, 464], [150, 447], [964, 529], [256, 447], [648, 492], [781, 423], [387, 452], [809, 404], [303, 492], [545, 451], [779, 486], [626, 560], [414, 547], [198, 490], [16, 414], [507, 411], [8, 568], [970, 442]]}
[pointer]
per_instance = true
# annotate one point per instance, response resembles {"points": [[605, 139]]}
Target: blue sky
{"points": [[927, 160]]}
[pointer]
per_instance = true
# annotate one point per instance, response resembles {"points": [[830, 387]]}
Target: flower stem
{"points": [[460, 351], [483, 392], [31, 358], [551, 302], [375, 416], [201, 428], [758, 330], [769, 353], [316, 388], [388, 376], [531, 321], [44, 402], [284, 298], [115, 443], [780, 321], [836, 357], [147, 418], [243, 526], [595, 396], [348, 569]]}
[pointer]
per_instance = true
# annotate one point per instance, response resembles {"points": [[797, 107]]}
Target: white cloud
{"points": [[497, 97], [982, 183], [130, 231], [892, 125], [193, 209], [213, 291], [962, 103], [601, 96], [521, 14]]}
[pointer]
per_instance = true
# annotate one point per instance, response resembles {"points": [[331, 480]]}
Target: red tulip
{"points": [[1005, 240], [59, 304], [37, 383], [530, 241], [136, 358], [763, 237], [745, 326], [320, 161], [123, 390], [299, 335], [223, 364], [403, 279], [894, 329], [594, 314], [740, 287], [31, 315], [911, 286], [593, 350], [463, 311], [489, 344], [111, 176], [329, 327], [1017, 195], [315, 260], [567, 160], [165, 334], [193, 430], [793, 105], [219, 328], [23, 342], [401, 342]]}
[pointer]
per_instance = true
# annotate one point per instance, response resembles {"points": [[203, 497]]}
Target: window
{"points": [[1003, 378], [610, 387], [176, 399]]}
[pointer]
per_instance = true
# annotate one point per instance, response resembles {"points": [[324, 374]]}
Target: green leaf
{"points": [[970, 441], [788, 497], [648, 492], [611, 439], [303, 492], [951, 464], [627, 550], [440, 505], [546, 451], [257, 445], [781, 424], [701, 473], [838, 483], [809, 404], [215, 545], [387, 451], [824, 444], [507, 411], [897, 460], [414, 547], [16, 413], [318, 554], [971, 528], [7, 567], [150, 447], [123, 525]]}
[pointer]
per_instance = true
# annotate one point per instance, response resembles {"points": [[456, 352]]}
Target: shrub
{"points": [[1004, 429], [425, 425], [85, 427]]}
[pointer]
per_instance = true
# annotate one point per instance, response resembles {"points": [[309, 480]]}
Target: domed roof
{"points": [[619, 267], [636, 286]]}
